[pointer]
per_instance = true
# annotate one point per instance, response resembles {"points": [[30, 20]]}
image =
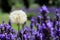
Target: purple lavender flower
{"points": [[37, 37], [13, 36], [8, 26], [43, 26], [57, 15], [2, 27], [59, 31], [32, 23], [12, 30], [39, 19], [57, 22], [21, 31], [32, 20], [27, 28], [29, 36], [44, 8], [2, 36], [49, 24], [8, 37], [39, 16], [41, 36], [57, 10], [34, 32], [24, 37], [38, 26]]}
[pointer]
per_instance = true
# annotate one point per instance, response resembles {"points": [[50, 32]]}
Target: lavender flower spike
{"points": [[44, 8], [32, 22], [57, 10], [32, 19]]}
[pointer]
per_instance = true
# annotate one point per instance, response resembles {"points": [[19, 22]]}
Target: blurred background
{"points": [[31, 7], [9, 5]]}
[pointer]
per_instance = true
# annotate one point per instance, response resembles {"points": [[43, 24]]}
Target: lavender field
{"points": [[44, 25]]}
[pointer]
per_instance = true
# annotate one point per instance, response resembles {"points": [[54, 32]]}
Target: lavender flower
{"points": [[34, 32], [43, 26], [2, 36], [57, 10], [8, 26], [32, 22], [8, 37], [38, 26], [59, 31], [24, 37], [39, 19], [41, 36], [13, 36], [44, 8], [49, 24]]}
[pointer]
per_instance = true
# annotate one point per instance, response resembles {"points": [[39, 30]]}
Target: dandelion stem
{"points": [[18, 27]]}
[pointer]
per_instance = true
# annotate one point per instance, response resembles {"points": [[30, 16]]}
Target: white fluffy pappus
{"points": [[18, 16]]}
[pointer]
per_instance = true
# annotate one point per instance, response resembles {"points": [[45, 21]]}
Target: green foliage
{"points": [[57, 3], [29, 15], [13, 2], [18, 5]]}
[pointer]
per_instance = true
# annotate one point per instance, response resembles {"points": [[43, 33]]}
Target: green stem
{"points": [[23, 25], [18, 28]]}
